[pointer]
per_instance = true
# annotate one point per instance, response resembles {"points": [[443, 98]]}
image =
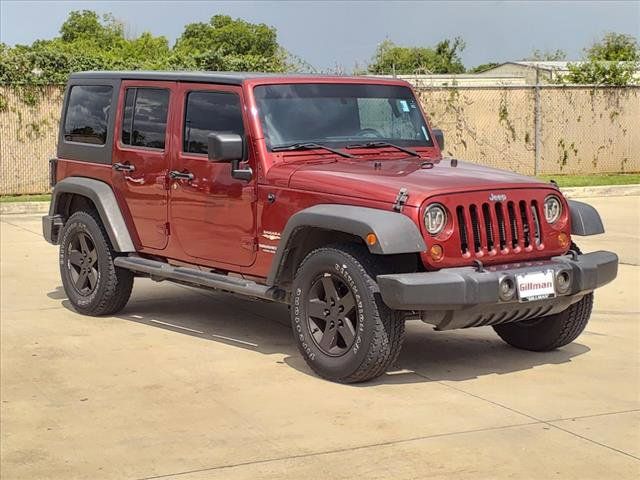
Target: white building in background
{"points": [[534, 72], [519, 73], [461, 80]]}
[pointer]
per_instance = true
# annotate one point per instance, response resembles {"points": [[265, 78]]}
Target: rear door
{"points": [[141, 157], [212, 214]]}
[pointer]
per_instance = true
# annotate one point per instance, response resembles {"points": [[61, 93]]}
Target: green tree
{"points": [[225, 43], [483, 67], [444, 58], [614, 60], [615, 47], [547, 56], [87, 25], [88, 41]]}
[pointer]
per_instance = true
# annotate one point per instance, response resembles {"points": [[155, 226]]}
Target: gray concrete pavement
{"points": [[221, 392]]}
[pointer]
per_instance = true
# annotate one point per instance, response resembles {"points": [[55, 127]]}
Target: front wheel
{"points": [[551, 332], [343, 329]]}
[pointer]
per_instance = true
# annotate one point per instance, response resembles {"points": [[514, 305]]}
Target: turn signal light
{"points": [[436, 253], [372, 239], [563, 239]]}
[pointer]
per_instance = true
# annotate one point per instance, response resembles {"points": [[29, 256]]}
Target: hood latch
{"points": [[401, 199]]}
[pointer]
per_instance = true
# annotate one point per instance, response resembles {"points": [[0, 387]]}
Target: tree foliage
{"points": [[615, 47], [88, 41], [483, 67], [556, 55], [444, 58], [227, 44], [612, 61]]}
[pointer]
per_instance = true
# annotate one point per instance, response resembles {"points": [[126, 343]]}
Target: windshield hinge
{"points": [[401, 199]]}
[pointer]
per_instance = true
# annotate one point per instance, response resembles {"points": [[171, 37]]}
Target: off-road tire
{"points": [[379, 331], [113, 286], [551, 332]]}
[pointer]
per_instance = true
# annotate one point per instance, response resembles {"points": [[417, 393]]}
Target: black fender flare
{"points": [[585, 220], [396, 233], [102, 196]]}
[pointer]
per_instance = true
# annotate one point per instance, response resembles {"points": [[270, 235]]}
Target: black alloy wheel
{"points": [[82, 263], [332, 315], [340, 324], [93, 284]]}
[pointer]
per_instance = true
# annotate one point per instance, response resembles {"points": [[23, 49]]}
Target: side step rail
{"points": [[193, 276]]}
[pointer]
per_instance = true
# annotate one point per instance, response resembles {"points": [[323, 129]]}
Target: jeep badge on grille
{"points": [[497, 197]]}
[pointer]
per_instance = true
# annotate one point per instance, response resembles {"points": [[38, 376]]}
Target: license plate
{"points": [[535, 286]]}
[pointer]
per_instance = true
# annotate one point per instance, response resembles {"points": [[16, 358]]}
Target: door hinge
{"points": [[401, 199], [249, 243], [167, 229]]}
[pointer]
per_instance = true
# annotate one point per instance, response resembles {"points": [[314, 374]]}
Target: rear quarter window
{"points": [[87, 115]]}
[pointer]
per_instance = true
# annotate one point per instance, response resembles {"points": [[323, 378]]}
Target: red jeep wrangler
{"points": [[327, 193]]}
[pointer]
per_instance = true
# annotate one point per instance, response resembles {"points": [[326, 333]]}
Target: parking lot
{"points": [[192, 384]]}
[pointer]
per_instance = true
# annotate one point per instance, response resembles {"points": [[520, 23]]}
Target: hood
{"points": [[383, 179]]}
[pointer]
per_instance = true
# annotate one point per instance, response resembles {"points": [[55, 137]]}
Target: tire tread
{"points": [[389, 329], [119, 281]]}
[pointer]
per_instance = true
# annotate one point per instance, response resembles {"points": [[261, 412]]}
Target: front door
{"points": [[141, 157], [212, 214]]}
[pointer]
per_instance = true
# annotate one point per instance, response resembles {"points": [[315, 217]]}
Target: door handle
{"points": [[124, 167], [176, 175]]}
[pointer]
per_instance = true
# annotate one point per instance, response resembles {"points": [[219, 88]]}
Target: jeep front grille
{"points": [[498, 227]]}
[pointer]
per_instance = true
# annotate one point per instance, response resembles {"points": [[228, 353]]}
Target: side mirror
{"points": [[224, 147], [439, 135], [228, 147]]}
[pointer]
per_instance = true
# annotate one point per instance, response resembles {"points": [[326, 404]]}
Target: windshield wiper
{"points": [[382, 145], [309, 146]]}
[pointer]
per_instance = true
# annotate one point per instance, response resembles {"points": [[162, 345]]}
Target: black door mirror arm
{"points": [[240, 173]]}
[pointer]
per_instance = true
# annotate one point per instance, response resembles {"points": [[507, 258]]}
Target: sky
{"points": [[330, 34]]}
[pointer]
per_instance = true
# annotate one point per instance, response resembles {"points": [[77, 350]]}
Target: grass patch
{"points": [[25, 198], [594, 180]]}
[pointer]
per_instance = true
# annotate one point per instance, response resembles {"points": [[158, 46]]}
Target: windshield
{"points": [[340, 114]]}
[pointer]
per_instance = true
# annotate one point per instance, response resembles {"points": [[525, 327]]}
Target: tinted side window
{"points": [[145, 117], [210, 112], [88, 114]]}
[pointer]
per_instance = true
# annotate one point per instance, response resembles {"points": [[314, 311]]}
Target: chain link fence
{"points": [[532, 130], [538, 130], [29, 118]]}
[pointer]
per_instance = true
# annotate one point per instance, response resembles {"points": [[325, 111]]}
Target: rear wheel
{"points": [[93, 284], [551, 332], [548, 333], [343, 329]]}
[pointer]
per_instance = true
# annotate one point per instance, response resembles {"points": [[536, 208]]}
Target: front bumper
{"points": [[465, 297]]}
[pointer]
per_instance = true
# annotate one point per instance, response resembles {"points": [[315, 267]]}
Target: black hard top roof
{"points": [[228, 78]]}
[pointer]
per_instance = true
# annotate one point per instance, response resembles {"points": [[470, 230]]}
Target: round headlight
{"points": [[552, 209], [435, 218]]}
